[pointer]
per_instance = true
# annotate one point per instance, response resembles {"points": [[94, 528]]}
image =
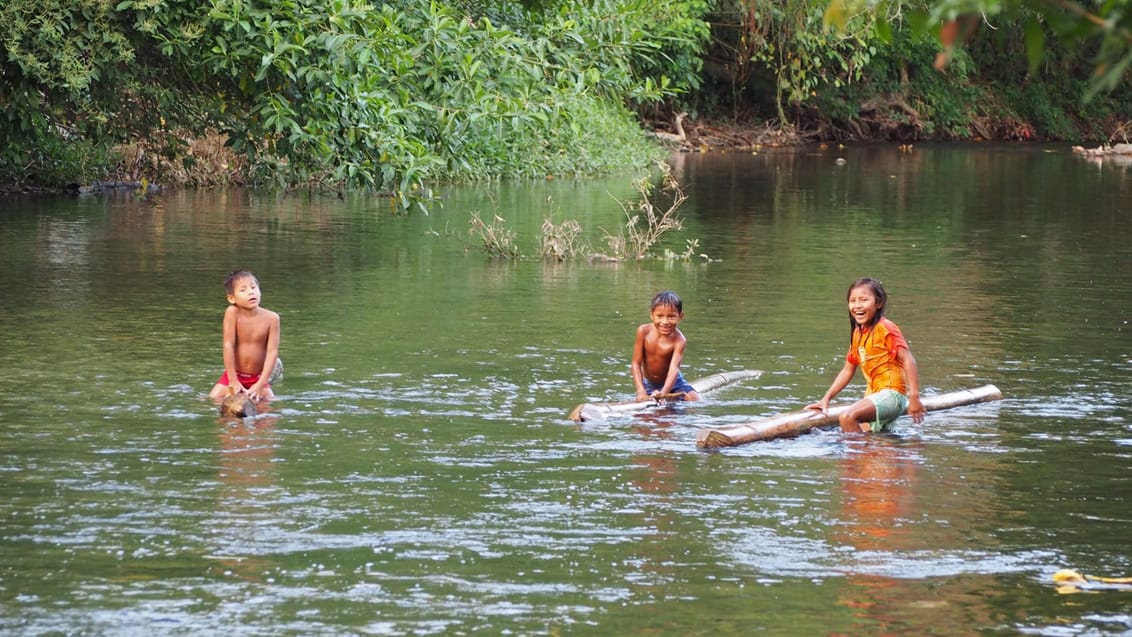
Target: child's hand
{"points": [[643, 395], [821, 405], [255, 392], [916, 408]]}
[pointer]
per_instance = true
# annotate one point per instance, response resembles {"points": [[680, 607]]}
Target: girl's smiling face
{"points": [[863, 305]]}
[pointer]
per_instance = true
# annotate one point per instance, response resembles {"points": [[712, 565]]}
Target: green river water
{"points": [[417, 475]]}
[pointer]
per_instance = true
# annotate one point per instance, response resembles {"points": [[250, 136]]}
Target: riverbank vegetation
{"points": [[393, 96], [647, 220]]}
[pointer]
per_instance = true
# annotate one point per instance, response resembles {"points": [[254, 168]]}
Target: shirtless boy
{"points": [[251, 340], [659, 350]]}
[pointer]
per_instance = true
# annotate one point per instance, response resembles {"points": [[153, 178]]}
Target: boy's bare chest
{"points": [[659, 345], [253, 328]]}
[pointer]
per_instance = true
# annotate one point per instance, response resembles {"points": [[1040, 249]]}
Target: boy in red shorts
{"points": [[251, 340]]}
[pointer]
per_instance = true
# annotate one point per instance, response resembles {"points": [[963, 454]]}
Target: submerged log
{"points": [[599, 411], [238, 406], [1102, 150], [800, 422]]}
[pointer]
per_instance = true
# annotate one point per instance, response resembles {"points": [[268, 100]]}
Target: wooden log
{"points": [[599, 411], [800, 422], [238, 406]]}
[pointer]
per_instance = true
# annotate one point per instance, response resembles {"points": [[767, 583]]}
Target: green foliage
{"points": [[790, 42], [913, 69], [1046, 115], [339, 93], [54, 160], [318, 93], [1103, 28], [396, 95], [901, 72], [63, 91], [643, 50]]}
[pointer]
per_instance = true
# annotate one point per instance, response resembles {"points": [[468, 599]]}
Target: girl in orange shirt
{"points": [[879, 349]]}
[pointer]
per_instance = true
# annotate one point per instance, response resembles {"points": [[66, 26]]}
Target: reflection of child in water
{"points": [[251, 340], [879, 349], [659, 350], [878, 509]]}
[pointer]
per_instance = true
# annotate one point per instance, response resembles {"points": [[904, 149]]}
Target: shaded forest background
{"points": [[394, 96]]}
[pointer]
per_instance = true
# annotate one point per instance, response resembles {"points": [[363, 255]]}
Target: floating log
{"points": [[800, 422], [1102, 150], [599, 411], [238, 406]]}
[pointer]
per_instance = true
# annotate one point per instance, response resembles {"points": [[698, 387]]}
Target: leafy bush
{"points": [[337, 93]]}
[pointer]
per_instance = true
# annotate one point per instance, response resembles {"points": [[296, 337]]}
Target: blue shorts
{"points": [[679, 386], [890, 405]]}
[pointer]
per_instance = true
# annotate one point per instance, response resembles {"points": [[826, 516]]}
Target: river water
{"points": [[417, 475]]}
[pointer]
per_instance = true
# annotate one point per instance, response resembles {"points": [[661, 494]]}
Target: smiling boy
{"points": [[659, 350]]}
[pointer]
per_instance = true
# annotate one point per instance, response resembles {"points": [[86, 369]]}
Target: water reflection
{"points": [[655, 471], [878, 480], [654, 476], [246, 509]]}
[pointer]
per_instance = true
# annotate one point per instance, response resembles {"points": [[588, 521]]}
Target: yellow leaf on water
{"points": [[1068, 575]]}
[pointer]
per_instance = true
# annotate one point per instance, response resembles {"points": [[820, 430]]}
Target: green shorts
{"points": [[890, 405]]}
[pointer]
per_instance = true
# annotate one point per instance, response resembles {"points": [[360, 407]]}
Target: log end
{"points": [[576, 413], [713, 439], [586, 412], [238, 406]]}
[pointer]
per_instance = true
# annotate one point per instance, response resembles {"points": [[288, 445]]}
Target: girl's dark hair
{"points": [[667, 298], [878, 292]]}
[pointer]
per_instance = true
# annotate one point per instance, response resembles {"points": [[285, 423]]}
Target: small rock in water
{"points": [[276, 372]]}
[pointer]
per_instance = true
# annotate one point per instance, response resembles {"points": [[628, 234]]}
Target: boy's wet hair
{"points": [[878, 292], [668, 298], [236, 275]]}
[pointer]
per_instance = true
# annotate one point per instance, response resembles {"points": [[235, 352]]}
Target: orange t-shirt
{"points": [[875, 352]]}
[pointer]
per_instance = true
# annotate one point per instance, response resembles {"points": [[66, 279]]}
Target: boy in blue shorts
{"points": [[659, 350]]}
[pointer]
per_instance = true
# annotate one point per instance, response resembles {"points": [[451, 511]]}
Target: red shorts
{"points": [[247, 380]]}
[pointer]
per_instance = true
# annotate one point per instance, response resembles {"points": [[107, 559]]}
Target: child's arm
{"points": [[271, 354], [912, 378], [230, 349], [839, 382], [674, 366], [638, 362]]}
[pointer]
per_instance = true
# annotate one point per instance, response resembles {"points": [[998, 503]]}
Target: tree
{"points": [[1104, 31]]}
